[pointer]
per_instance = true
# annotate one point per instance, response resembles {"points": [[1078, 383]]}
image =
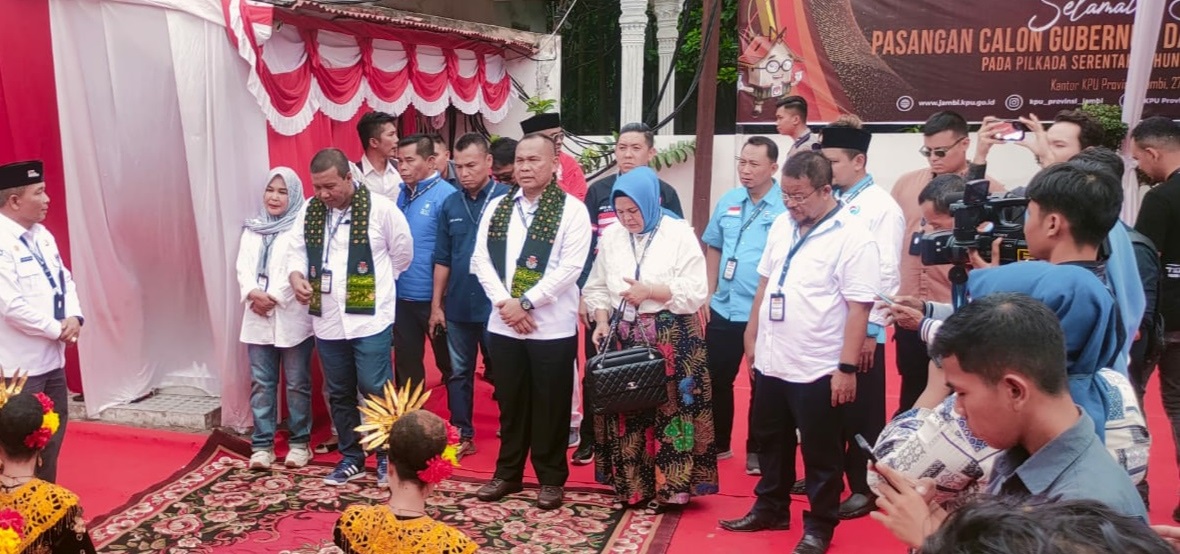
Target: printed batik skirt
{"points": [[667, 454]]}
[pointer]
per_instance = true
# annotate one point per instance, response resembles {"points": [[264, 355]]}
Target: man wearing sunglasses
{"points": [[944, 145]]}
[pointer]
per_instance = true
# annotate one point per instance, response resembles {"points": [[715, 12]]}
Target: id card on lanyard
{"points": [[631, 312], [325, 273], [778, 300], [59, 293], [731, 264]]}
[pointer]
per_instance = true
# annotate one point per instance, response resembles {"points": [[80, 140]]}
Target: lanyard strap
{"points": [[35, 250], [746, 225], [525, 219], [419, 190], [490, 188], [782, 278], [646, 247], [267, 243], [860, 187], [332, 230], [801, 140]]}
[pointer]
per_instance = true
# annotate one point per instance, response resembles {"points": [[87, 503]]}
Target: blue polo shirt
{"points": [[734, 210], [457, 226], [422, 211]]}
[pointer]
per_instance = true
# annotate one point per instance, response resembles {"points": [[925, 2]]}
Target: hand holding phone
{"points": [[868, 450], [1012, 131], [888, 300]]}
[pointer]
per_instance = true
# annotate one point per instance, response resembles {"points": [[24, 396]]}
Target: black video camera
{"points": [[980, 220]]}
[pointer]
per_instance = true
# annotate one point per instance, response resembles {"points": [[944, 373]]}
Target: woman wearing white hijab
{"points": [[275, 328]]}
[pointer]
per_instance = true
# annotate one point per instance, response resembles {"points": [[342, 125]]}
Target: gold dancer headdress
{"points": [[380, 411], [11, 387]]}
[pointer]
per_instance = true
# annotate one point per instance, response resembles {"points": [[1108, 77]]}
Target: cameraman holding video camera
{"points": [[945, 143], [1130, 270], [1071, 209]]}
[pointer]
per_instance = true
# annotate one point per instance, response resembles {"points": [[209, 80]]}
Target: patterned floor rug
{"points": [[216, 505]]}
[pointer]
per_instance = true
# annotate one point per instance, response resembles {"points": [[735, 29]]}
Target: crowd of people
{"points": [[1021, 409]]}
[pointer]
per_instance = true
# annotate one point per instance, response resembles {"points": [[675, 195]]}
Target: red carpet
{"points": [[106, 464]]}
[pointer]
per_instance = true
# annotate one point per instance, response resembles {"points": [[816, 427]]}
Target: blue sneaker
{"points": [[345, 471], [382, 469]]}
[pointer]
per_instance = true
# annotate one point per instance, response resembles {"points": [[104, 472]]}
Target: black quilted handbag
{"points": [[629, 380]]}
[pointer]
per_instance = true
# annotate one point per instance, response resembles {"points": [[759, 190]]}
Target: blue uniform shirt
{"points": [[735, 297], [457, 226], [422, 211]]}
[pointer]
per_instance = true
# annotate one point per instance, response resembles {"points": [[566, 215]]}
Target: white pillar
{"points": [[667, 15], [633, 27], [1144, 37]]}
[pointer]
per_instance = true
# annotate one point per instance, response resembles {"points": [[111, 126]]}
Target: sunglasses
{"points": [[941, 150]]}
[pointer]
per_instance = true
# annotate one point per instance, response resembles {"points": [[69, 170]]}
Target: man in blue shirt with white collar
{"points": [[421, 200], [460, 303], [735, 238]]}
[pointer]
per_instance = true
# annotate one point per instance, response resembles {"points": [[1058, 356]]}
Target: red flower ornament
{"points": [[452, 434], [437, 469], [38, 439], [46, 403]]}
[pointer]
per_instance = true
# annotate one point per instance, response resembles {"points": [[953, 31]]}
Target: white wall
{"points": [[890, 155]]}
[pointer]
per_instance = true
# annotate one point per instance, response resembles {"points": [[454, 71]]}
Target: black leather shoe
{"points": [[811, 544], [584, 455], [497, 489], [751, 523], [799, 488], [550, 497], [857, 506]]}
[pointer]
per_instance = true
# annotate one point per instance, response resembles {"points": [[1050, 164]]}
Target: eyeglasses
{"points": [[775, 66], [941, 150], [799, 198]]}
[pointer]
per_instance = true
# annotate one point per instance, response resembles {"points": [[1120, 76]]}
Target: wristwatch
{"points": [[525, 304], [847, 368]]}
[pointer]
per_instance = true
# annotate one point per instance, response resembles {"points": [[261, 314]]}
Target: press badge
{"points": [[263, 282], [629, 313], [778, 304], [59, 307], [730, 269], [325, 282]]}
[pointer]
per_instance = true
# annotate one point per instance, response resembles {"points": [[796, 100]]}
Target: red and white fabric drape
{"points": [[300, 65]]}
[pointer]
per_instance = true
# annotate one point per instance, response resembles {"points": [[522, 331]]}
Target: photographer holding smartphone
{"points": [[1070, 133]]}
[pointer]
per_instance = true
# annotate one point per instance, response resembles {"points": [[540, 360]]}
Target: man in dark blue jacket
{"points": [[460, 304]]}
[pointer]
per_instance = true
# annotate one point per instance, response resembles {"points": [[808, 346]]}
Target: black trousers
{"points": [[589, 350], [725, 341], [53, 384], [409, 352], [913, 364], [866, 417], [779, 408], [533, 388]]}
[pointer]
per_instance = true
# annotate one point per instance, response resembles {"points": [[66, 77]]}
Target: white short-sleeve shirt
{"points": [[838, 263]]}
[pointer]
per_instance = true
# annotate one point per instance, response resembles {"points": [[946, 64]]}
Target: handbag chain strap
{"points": [[615, 319]]}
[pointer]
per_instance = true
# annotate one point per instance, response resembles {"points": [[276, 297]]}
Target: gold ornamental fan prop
{"points": [[381, 411], [11, 386]]}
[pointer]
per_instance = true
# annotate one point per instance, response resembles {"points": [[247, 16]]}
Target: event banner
{"points": [[898, 61]]}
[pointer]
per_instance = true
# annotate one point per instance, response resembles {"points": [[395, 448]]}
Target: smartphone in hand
{"points": [[868, 450]]}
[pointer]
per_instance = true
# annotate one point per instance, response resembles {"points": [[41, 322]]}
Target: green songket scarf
{"points": [[538, 244], [361, 283]]}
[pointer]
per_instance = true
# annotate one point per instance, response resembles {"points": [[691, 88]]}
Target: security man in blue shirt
{"points": [[421, 200], [460, 304], [735, 237]]}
